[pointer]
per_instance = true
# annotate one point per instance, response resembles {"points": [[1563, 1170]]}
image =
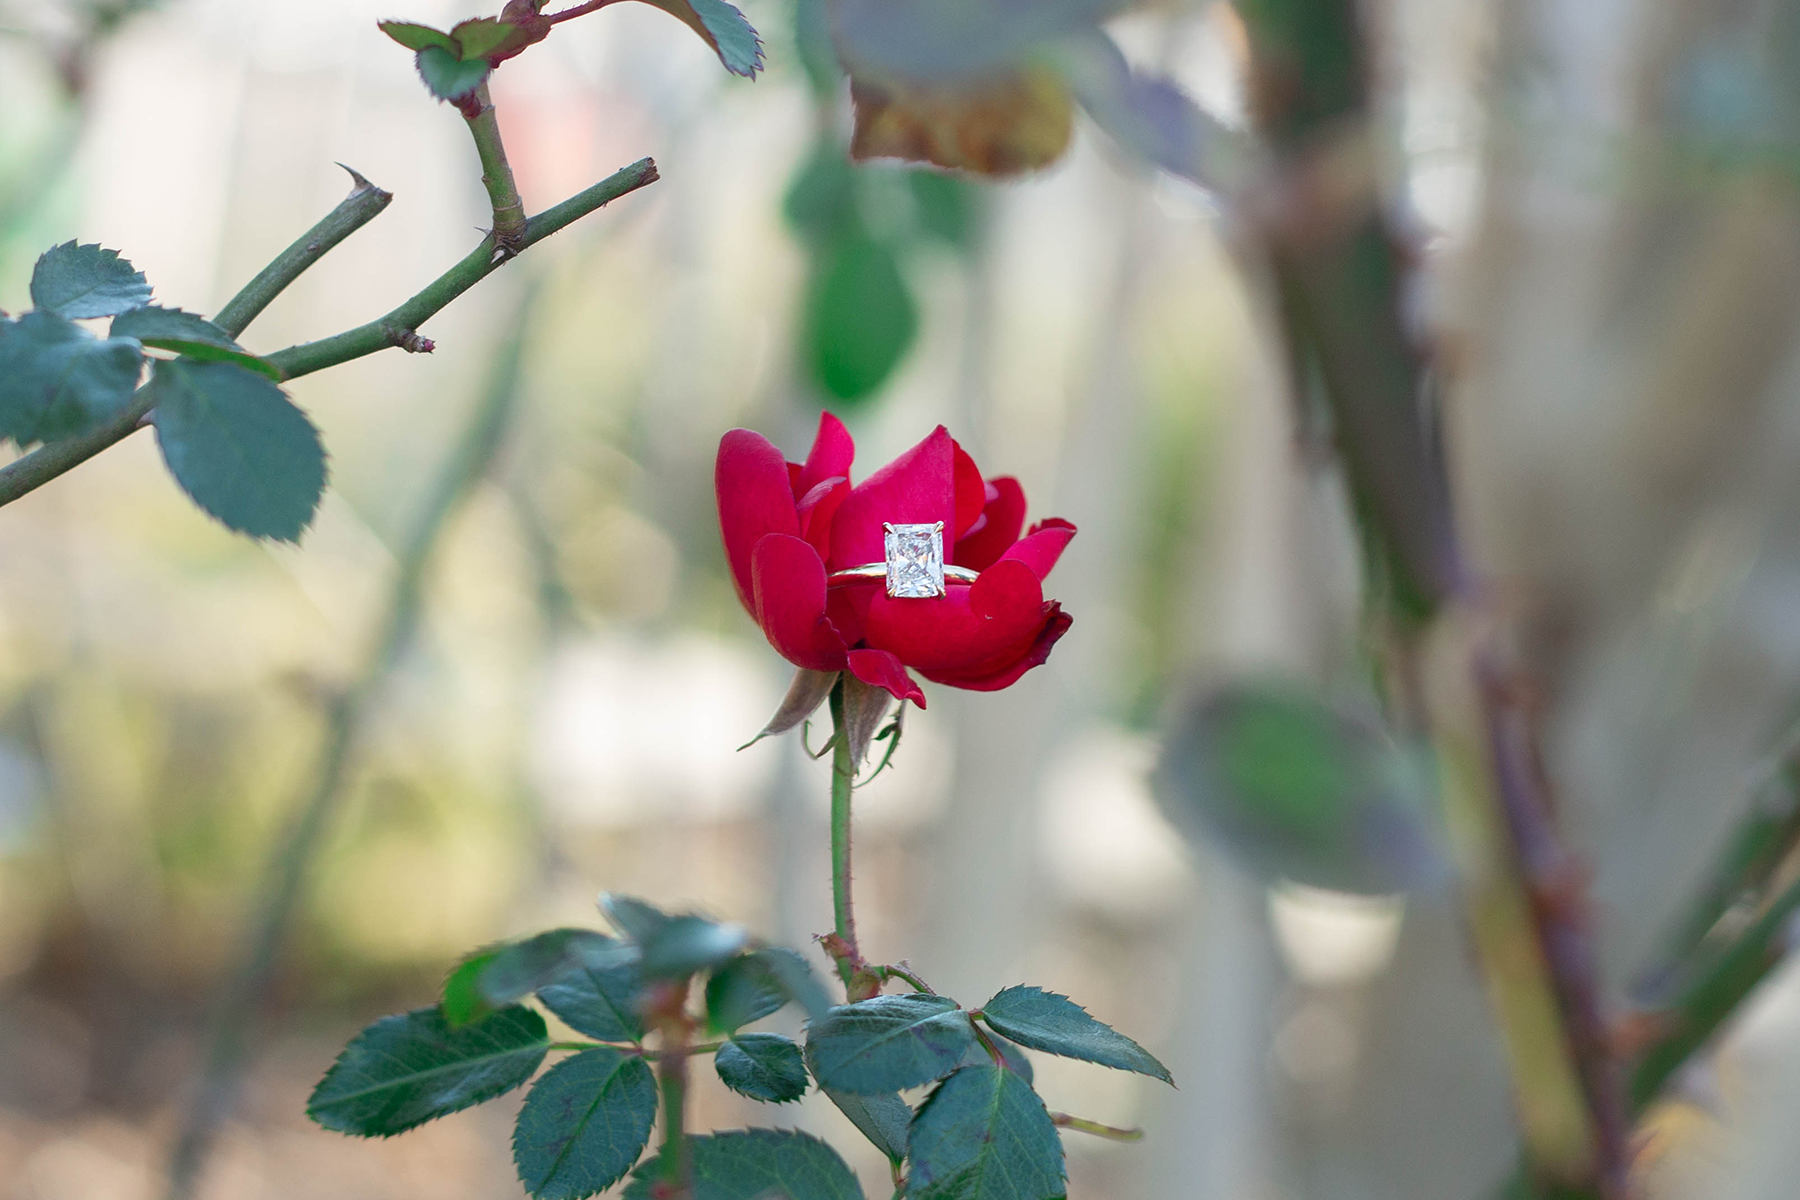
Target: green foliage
{"points": [[744, 991], [57, 379], [1057, 1025], [723, 28], [598, 1001], [1300, 791], [820, 204], [417, 37], [797, 979], [500, 976], [636, 919], [238, 447], [489, 37], [584, 1124], [946, 207], [449, 77], [984, 1135], [888, 1043], [860, 317], [758, 1164], [86, 281], [683, 945], [882, 1117], [190, 334], [405, 1070], [762, 1066]]}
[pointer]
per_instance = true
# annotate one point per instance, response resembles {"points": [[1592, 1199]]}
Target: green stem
{"points": [[496, 174], [671, 1072], [228, 1039], [1715, 996], [1768, 831], [919, 985], [397, 328], [362, 205], [390, 330], [843, 782], [1063, 1120]]}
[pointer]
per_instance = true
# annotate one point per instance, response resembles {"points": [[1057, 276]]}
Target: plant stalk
{"points": [[387, 331], [496, 174], [675, 1169], [397, 328], [843, 784], [364, 203], [1710, 1000]]}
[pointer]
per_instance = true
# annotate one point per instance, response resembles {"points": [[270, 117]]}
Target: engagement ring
{"points": [[915, 564]]}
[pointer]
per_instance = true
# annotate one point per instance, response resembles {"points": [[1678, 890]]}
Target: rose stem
{"points": [[843, 777], [496, 172], [672, 1078]]}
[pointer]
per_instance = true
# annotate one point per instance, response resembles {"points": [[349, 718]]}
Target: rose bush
{"points": [[787, 526]]}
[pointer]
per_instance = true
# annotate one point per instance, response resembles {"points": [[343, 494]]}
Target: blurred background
{"points": [[1605, 196]]}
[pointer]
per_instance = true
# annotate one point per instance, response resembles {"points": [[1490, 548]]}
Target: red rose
{"points": [[787, 526]]}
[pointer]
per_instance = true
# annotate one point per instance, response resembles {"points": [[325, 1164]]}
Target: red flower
{"points": [[787, 526]]}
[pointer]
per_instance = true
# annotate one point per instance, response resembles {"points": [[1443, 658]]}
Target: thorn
{"points": [[361, 184]]}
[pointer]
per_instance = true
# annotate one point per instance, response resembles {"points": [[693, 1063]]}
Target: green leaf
{"points": [[984, 1135], [601, 1002], [882, 1117], [799, 980], [238, 447], [946, 207], [584, 1124], [723, 28], [500, 976], [461, 1000], [1298, 790], [57, 379], [749, 988], [1015, 1058], [86, 281], [1057, 1025], [486, 37], [888, 1043], [860, 317], [820, 204], [636, 919], [449, 77], [683, 945], [190, 334], [405, 1070], [762, 1066], [757, 1164], [417, 37]]}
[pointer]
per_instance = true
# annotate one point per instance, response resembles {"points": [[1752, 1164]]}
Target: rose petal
{"points": [[1056, 624], [790, 603], [817, 508], [915, 488], [1002, 518], [878, 668], [1040, 548], [832, 452], [755, 499], [970, 631], [971, 493]]}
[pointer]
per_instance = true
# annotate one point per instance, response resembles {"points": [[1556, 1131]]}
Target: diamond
{"points": [[915, 560]]}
